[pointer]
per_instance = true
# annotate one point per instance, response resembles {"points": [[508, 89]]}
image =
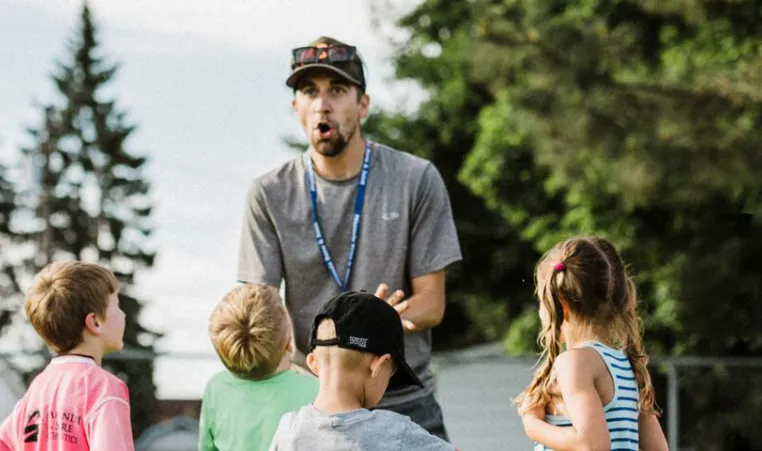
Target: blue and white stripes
{"points": [[622, 412]]}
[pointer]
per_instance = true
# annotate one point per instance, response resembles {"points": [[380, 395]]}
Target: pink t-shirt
{"points": [[72, 405]]}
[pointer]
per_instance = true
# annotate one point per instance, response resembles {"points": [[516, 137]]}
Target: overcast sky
{"points": [[204, 81]]}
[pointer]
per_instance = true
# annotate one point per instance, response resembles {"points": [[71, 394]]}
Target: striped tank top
{"points": [[622, 412]]}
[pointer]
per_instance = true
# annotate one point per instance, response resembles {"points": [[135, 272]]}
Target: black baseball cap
{"points": [[368, 324], [317, 54]]}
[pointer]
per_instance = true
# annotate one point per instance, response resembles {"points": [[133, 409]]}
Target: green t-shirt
{"points": [[239, 414]]}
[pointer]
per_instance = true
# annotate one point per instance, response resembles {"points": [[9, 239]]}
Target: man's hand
{"points": [[396, 301]]}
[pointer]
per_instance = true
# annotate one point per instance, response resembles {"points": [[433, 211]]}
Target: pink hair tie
{"points": [[559, 266]]}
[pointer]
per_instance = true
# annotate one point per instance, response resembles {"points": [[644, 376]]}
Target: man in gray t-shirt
{"points": [[349, 214]]}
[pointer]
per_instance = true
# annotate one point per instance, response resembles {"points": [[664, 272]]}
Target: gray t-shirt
{"points": [[359, 430], [407, 230]]}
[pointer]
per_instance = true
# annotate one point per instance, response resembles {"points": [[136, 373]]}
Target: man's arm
{"points": [[433, 246], [259, 254], [425, 308]]}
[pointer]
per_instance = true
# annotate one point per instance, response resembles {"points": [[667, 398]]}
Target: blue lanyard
{"points": [[359, 201]]}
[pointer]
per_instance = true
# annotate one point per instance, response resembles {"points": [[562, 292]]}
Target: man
{"points": [[350, 214]]}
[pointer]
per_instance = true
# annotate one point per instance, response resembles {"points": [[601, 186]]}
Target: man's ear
{"points": [[93, 324], [364, 105], [377, 363], [293, 102], [312, 363]]}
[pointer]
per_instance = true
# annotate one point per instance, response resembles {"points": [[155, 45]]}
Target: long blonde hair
{"points": [[589, 277]]}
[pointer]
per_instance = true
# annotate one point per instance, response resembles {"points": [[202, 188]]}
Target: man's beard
{"points": [[332, 149]]}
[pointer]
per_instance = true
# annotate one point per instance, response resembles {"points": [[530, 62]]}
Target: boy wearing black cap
{"points": [[358, 353]]}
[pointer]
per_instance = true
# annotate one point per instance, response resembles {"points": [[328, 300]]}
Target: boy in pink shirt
{"points": [[73, 404]]}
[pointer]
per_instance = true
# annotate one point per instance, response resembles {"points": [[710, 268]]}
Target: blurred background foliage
{"points": [[635, 120]]}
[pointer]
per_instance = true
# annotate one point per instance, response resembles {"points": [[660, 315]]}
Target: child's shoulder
{"points": [[76, 380], [109, 383], [389, 416], [410, 434], [294, 377], [393, 423], [288, 378], [581, 362]]}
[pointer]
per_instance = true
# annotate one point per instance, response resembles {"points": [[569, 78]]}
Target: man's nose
{"points": [[322, 103]]}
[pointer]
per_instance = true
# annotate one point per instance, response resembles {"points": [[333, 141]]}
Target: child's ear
{"points": [[378, 362], [312, 363], [92, 324], [290, 344]]}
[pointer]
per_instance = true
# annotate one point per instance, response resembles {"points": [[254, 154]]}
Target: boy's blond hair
{"points": [[346, 359], [61, 297], [250, 330]]}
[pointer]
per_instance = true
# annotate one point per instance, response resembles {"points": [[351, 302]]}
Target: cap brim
{"points": [[299, 73], [404, 377]]}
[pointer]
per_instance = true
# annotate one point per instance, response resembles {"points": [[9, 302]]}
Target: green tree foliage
{"points": [[91, 201], [632, 120], [495, 281]]}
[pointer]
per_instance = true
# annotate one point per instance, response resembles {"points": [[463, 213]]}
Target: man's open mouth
{"points": [[325, 130]]}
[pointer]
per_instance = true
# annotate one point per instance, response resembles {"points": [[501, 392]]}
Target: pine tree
{"points": [[93, 201], [8, 289]]}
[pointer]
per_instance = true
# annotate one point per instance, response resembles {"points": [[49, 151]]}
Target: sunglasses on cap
{"points": [[331, 54]]}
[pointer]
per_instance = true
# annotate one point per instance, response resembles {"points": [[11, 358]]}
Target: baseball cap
{"points": [[369, 324], [327, 53]]}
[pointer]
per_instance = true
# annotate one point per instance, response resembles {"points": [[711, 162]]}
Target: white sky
{"points": [[204, 81]]}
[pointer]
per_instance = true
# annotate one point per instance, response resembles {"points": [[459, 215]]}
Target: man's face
{"points": [[329, 111]]}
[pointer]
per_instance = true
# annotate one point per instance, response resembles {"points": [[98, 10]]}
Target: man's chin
{"points": [[328, 148]]}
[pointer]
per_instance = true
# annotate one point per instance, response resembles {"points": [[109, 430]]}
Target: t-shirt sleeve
{"points": [[109, 425], [418, 438], [281, 434], [259, 253], [205, 437], [433, 238]]}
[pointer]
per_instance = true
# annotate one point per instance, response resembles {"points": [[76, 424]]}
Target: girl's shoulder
{"points": [[582, 362]]}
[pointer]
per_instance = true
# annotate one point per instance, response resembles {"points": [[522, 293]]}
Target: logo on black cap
{"points": [[369, 324]]}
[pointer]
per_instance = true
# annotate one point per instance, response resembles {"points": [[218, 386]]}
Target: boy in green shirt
{"points": [[242, 405]]}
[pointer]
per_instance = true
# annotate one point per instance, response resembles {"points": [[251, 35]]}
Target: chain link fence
{"points": [[708, 403]]}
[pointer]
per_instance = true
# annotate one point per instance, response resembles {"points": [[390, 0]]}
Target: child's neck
{"points": [[285, 364], [575, 335], [88, 348], [338, 395]]}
